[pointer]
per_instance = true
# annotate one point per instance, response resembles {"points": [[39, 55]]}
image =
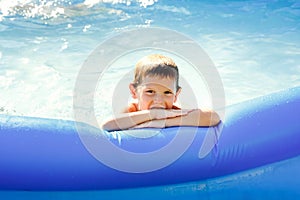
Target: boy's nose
{"points": [[158, 98]]}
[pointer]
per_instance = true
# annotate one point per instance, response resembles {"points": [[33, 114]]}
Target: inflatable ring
{"points": [[39, 154]]}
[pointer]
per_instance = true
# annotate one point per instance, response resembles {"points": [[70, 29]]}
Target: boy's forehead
{"points": [[168, 83]]}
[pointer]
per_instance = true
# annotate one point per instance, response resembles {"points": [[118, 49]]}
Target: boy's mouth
{"points": [[157, 107]]}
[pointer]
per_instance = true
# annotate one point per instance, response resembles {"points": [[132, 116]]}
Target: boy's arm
{"points": [[196, 117], [126, 120], [129, 120]]}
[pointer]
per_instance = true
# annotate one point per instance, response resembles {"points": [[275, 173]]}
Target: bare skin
{"points": [[155, 97]]}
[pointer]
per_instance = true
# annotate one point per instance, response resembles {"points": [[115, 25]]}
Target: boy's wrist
{"points": [[152, 115], [157, 114], [148, 115]]}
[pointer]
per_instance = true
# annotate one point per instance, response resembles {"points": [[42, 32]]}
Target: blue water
{"points": [[255, 46]]}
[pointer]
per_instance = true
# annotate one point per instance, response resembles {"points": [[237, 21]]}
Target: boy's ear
{"points": [[132, 91], [177, 94]]}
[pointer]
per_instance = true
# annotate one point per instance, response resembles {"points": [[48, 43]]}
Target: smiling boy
{"points": [[156, 89]]}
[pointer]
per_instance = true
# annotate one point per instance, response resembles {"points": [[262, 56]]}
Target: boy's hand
{"points": [[165, 114]]}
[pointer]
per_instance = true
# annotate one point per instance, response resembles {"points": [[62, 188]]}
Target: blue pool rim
{"points": [[39, 154]]}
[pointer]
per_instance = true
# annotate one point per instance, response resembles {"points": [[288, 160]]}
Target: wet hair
{"points": [[155, 65]]}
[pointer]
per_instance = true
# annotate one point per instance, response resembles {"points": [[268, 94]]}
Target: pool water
{"points": [[255, 46]]}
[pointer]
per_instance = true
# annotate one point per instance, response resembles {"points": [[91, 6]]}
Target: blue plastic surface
{"points": [[47, 154]]}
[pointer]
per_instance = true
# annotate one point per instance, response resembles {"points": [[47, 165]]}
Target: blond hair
{"points": [[155, 65]]}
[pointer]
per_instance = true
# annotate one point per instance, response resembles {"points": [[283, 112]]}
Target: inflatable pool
{"points": [[256, 145]]}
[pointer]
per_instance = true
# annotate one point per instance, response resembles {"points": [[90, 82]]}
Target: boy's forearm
{"points": [[127, 120], [195, 118]]}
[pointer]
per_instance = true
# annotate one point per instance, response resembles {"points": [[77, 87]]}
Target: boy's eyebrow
{"points": [[149, 86], [166, 90]]}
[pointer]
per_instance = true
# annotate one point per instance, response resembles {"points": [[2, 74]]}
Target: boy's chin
{"points": [[162, 108]]}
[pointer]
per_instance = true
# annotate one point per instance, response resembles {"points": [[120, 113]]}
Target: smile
{"points": [[157, 107]]}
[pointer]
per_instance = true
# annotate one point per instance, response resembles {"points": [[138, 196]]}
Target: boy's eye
{"points": [[150, 91], [168, 92]]}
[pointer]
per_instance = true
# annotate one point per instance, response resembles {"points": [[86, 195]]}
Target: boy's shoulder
{"points": [[176, 107], [132, 107]]}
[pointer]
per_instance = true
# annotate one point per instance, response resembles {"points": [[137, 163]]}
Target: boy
{"points": [[156, 89]]}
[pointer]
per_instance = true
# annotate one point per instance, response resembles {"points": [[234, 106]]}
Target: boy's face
{"points": [[155, 92]]}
